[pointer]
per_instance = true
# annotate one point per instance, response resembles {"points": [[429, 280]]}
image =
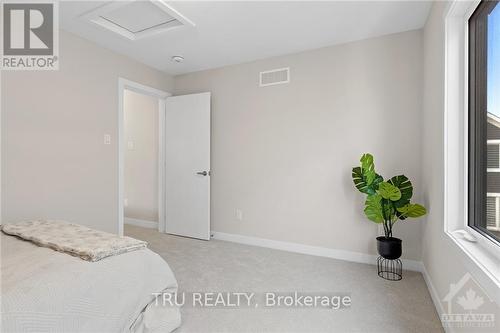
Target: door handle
{"points": [[203, 173]]}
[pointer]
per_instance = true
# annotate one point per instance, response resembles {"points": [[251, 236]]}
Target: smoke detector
{"points": [[178, 59]]}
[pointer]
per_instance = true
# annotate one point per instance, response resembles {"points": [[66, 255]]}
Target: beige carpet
{"points": [[377, 305]]}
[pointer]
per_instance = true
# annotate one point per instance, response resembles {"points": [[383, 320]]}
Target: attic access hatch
{"points": [[135, 19]]}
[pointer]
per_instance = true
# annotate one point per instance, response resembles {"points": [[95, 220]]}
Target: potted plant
{"points": [[386, 203]]}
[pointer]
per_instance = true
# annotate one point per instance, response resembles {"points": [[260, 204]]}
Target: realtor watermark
{"points": [[468, 306], [237, 300], [30, 35]]}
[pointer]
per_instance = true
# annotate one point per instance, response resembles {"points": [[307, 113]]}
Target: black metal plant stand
{"points": [[390, 269]]}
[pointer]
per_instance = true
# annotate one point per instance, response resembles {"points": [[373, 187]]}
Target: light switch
{"points": [[107, 139], [130, 145], [239, 214]]}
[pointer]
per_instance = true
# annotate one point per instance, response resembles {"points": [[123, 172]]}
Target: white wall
{"points": [[54, 162], [438, 250], [141, 118], [283, 154], [443, 260]]}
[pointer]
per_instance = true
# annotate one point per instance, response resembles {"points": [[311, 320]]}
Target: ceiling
{"points": [[227, 33]]}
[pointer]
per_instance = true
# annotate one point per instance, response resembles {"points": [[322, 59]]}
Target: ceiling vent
{"points": [[275, 76], [135, 19]]}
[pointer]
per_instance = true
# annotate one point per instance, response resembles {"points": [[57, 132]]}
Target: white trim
{"points": [[124, 84], [121, 157], [161, 166], [141, 223], [435, 298], [1, 113], [494, 142], [481, 258], [497, 214], [363, 258], [493, 119], [143, 89]]}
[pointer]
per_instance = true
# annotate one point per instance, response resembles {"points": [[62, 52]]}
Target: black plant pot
{"points": [[389, 247]]}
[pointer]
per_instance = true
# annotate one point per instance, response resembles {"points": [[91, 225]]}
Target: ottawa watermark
{"points": [[238, 300], [468, 306], [30, 35]]}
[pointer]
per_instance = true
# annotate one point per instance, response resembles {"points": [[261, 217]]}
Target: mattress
{"points": [[47, 291]]}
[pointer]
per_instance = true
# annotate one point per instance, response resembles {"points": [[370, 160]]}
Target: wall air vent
{"points": [[134, 19], [275, 76]]}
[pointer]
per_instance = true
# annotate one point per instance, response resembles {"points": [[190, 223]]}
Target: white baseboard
{"points": [[412, 265], [141, 223], [363, 258], [435, 298]]}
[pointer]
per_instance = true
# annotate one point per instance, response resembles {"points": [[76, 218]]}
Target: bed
{"points": [[43, 290]]}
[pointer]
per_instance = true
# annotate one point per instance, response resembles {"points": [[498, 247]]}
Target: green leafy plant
{"points": [[386, 201]]}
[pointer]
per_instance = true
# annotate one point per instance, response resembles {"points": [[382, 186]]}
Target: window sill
{"points": [[482, 260]]}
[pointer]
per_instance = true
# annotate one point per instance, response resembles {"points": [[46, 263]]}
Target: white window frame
{"points": [[482, 256]]}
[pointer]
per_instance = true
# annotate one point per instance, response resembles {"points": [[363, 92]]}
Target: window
{"points": [[484, 120]]}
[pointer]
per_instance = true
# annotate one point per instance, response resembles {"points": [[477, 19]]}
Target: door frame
{"points": [[125, 84]]}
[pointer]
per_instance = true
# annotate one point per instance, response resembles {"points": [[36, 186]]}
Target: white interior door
{"points": [[187, 159]]}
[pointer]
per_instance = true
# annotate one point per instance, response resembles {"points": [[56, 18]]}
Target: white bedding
{"points": [[46, 291]]}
